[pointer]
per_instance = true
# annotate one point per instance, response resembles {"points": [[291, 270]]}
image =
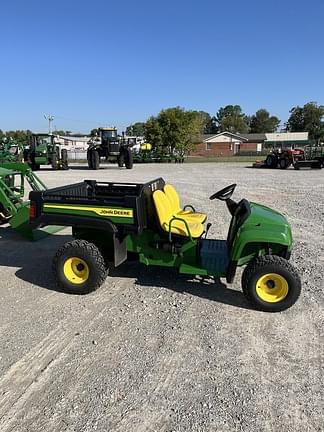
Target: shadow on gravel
{"points": [[34, 262], [33, 259], [206, 288], [85, 167]]}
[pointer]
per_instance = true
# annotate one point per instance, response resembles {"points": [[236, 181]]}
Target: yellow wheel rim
{"points": [[272, 288], [76, 270]]}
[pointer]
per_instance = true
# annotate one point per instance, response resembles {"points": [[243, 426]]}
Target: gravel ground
{"points": [[155, 351]]}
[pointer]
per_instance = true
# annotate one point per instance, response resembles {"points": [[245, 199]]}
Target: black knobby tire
{"points": [[95, 159], [120, 160], [89, 159], [129, 159], [54, 161], [65, 162], [283, 163], [93, 258], [270, 264], [271, 161]]}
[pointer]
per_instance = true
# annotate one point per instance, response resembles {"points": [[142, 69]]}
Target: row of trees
{"points": [[19, 135], [180, 129], [176, 129], [23, 135], [229, 118]]}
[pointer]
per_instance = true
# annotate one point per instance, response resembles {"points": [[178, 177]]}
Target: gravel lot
{"points": [[155, 351]]}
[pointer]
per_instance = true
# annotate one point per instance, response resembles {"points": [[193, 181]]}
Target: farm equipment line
{"points": [[309, 157]]}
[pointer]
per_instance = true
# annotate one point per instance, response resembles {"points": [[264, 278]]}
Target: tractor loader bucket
{"points": [[20, 223]]}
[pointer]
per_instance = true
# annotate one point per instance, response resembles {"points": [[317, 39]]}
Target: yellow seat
{"points": [[166, 218], [174, 199]]}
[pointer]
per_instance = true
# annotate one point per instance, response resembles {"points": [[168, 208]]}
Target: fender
{"points": [[250, 238]]}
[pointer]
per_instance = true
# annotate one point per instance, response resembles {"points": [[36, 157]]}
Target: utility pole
{"points": [[50, 118]]}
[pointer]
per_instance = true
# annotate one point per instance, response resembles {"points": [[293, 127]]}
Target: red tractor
{"points": [[284, 158]]}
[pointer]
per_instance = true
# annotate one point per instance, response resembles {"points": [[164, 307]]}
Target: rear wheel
{"points": [[271, 161], [79, 267], [129, 159], [271, 283]]}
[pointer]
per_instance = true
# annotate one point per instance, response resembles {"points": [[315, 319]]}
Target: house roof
{"points": [[255, 136], [209, 137], [287, 136]]}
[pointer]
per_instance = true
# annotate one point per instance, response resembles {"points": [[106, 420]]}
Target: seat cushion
{"points": [[178, 227], [192, 216], [177, 211]]}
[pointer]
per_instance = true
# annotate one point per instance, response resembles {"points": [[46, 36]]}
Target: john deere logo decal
{"points": [[115, 212], [106, 212]]}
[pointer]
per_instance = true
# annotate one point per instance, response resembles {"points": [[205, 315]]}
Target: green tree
{"points": [[136, 129], [262, 122], [153, 132], [174, 130], [209, 122], [60, 132], [309, 118], [232, 119], [19, 135]]}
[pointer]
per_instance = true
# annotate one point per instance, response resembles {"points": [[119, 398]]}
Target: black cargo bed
{"points": [[134, 196]]}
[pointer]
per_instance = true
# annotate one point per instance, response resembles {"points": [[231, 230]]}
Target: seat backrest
{"points": [[163, 208], [173, 197]]}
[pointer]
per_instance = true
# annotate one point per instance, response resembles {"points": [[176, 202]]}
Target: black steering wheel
{"points": [[224, 194]]}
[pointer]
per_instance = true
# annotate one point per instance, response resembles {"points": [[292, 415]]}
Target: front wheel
{"points": [[120, 160], [284, 163], [95, 160], [54, 161], [79, 267], [271, 283], [64, 157]]}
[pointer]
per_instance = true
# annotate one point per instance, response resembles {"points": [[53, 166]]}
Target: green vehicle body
{"points": [[121, 219], [43, 150], [14, 178], [11, 150]]}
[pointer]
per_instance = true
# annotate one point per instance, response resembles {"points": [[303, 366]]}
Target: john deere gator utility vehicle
{"points": [[43, 150], [106, 144], [110, 220]]}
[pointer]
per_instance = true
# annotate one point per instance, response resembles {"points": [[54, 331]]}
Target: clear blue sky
{"points": [[117, 62]]}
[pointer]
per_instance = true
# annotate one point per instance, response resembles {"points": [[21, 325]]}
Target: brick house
{"points": [[229, 144], [255, 142], [221, 144]]}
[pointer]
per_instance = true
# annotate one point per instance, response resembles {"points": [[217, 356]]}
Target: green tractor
{"points": [[43, 150], [106, 144], [111, 221]]}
